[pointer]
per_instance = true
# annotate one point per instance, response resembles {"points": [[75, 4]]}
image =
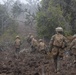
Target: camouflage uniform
{"points": [[73, 48], [34, 44], [17, 44], [29, 38], [42, 46], [57, 48]]}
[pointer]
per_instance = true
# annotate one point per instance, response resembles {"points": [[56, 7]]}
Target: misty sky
{"points": [[1, 1], [23, 1]]}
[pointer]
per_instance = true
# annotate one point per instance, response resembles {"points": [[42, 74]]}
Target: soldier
{"points": [[42, 46], [57, 45], [73, 48], [34, 44], [17, 44], [29, 38]]}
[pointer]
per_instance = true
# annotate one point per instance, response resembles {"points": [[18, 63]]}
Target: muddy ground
{"points": [[27, 63]]}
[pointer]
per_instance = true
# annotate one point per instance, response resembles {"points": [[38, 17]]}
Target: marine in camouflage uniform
{"points": [[57, 45], [29, 38], [34, 44], [42, 46], [73, 48], [17, 44]]}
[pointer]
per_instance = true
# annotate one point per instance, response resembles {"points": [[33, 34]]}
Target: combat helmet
{"points": [[40, 40], [17, 36], [30, 34], [74, 36], [58, 29]]}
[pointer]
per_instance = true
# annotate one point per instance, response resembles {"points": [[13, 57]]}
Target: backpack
{"points": [[58, 40], [42, 45], [17, 42]]}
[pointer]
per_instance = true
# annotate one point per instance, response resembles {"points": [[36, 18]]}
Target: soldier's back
{"points": [[42, 45]]}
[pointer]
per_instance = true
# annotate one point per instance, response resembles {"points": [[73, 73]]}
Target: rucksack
{"points": [[58, 40], [17, 42]]}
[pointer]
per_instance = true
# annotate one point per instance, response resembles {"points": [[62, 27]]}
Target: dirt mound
{"points": [[26, 63]]}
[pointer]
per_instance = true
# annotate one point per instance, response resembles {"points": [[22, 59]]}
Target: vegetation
{"points": [[16, 10], [54, 13], [7, 26]]}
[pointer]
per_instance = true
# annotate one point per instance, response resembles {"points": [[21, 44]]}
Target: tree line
{"points": [[54, 13]]}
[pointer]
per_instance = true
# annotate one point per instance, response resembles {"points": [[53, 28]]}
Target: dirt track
{"points": [[31, 64]]}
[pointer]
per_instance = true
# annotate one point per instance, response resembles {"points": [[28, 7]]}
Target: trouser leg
{"points": [[74, 60], [17, 50], [55, 62], [33, 49], [74, 57], [58, 63]]}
